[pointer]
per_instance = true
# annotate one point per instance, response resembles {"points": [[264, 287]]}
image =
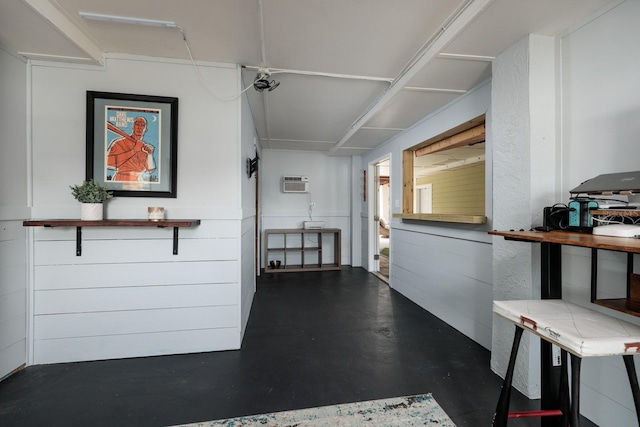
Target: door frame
{"points": [[418, 197], [373, 265]]}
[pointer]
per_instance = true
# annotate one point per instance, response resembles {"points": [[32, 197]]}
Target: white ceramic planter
{"points": [[91, 211]]}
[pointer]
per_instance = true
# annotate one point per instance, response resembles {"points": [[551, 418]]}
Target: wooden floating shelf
{"points": [[111, 223], [175, 223]]}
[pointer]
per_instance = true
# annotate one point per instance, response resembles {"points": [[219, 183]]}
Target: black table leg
{"points": [[550, 375], [564, 389], [633, 382], [502, 409], [575, 391]]}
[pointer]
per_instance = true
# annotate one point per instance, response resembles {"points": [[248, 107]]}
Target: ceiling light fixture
{"points": [[261, 82], [127, 20]]}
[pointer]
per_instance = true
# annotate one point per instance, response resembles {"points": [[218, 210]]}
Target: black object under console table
{"points": [[175, 223]]}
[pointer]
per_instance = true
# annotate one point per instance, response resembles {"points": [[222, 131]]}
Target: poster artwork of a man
{"points": [[130, 156]]}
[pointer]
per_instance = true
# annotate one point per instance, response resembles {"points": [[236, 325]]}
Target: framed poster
{"points": [[132, 143]]}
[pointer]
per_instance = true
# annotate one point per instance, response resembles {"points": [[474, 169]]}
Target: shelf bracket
{"points": [[175, 224], [175, 240], [78, 241]]}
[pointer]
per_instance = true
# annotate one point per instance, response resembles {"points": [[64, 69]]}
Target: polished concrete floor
{"points": [[313, 339]]}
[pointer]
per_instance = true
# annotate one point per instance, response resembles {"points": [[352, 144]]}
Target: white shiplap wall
{"points": [[422, 270], [249, 148], [248, 281], [128, 295], [13, 296], [444, 268], [13, 209]]}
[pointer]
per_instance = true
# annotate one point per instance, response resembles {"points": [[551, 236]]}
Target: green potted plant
{"points": [[91, 197]]}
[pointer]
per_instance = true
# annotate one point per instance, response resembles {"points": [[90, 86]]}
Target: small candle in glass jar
{"points": [[156, 213]]}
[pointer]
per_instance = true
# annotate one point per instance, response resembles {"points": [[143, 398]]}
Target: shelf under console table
{"points": [[299, 244], [175, 223]]}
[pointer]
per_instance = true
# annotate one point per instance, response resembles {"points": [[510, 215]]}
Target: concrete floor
{"points": [[313, 339]]}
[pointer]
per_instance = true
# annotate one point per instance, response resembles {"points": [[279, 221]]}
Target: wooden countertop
{"points": [[571, 238]]}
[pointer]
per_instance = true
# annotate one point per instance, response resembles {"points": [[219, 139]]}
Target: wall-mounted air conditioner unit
{"points": [[295, 184]]}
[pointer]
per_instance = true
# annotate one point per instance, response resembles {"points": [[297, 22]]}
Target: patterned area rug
{"points": [[419, 410]]}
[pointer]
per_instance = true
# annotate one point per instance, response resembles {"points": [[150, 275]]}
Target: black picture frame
{"points": [[132, 143]]}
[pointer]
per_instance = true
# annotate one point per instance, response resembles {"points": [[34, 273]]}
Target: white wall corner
{"points": [[516, 132], [543, 108]]}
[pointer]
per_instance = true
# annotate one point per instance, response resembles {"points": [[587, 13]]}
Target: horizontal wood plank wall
{"points": [[460, 191], [248, 287], [129, 296], [13, 296], [451, 278]]}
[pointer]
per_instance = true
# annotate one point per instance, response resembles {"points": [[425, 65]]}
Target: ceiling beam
{"points": [[68, 28], [449, 31], [462, 139]]}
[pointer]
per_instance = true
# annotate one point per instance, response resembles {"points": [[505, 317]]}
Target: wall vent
{"points": [[295, 184]]}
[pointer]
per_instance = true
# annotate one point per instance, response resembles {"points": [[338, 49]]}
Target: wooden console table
{"points": [[175, 223], [551, 288], [291, 244], [629, 304]]}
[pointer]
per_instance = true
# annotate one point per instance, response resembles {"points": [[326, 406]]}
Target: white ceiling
{"points": [[352, 73]]}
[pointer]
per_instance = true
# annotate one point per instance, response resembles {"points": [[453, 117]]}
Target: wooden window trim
{"points": [[467, 133]]}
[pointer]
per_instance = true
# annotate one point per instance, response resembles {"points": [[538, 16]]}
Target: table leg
{"points": [[564, 389], [550, 375], [575, 391], [633, 382], [502, 409]]}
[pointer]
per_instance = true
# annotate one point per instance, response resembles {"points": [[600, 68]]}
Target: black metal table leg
{"points": [[575, 391], [633, 382], [594, 274], [175, 240], [78, 241], [551, 271], [564, 389], [551, 288], [502, 409]]}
